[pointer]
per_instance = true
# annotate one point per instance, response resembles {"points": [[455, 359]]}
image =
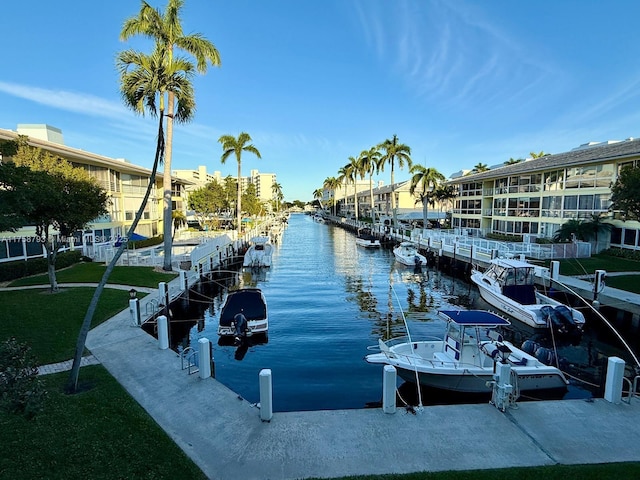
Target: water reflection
{"points": [[328, 301]]}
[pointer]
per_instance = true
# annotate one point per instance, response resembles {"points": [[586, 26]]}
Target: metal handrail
{"points": [[189, 356], [632, 388]]}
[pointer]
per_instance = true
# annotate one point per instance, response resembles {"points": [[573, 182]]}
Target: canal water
{"points": [[328, 300]]}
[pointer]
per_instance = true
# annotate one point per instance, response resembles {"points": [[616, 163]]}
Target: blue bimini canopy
{"points": [[481, 318]]}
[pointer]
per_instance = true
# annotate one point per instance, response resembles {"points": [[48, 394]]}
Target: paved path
{"points": [[66, 365], [69, 285]]}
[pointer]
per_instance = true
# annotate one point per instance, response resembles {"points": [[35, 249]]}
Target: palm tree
{"points": [[445, 193], [480, 167], [423, 183], [394, 151], [166, 31], [538, 155], [144, 79], [352, 169], [513, 161], [332, 183], [343, 176], [594, 226], [276, 190], [369, 161], [230, 145], [569, 230], [317, 195], [179, 219]]}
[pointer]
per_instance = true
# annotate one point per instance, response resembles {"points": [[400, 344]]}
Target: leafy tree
{"points": [[594, 226], [538, 155], [209, 201], [143, 81], [55, 198], [8, 148], [343, 177], [250, 201], [232, 145], [394, 151], [165, 29], [445, 193], [423, 183], [625, 193], [15, 185], [21, 391], [351, 173], [276, 190]]}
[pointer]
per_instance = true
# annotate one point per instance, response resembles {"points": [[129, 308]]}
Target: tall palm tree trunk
{"points": [[373, 211], [355, 198], [72, 383], [166, 188], [393, 197], [239, 200]]}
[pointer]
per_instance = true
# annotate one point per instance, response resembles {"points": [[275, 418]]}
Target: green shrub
{"points": [[623, 253], [149, 242], [504, 238], [21, 391]]}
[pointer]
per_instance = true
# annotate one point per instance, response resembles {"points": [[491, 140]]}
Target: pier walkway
{"points": [[224, 436]]}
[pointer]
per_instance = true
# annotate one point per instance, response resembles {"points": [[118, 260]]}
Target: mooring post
{"points": [[204, 357], [598, 282], [184, 280], [266, 395], [163, 332], [134, 309], [501, 386], [554, 268], [389, 389], [613, 382]]}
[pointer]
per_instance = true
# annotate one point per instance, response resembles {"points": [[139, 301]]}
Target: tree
{"points": [[276, 190], [480, 167], [594, 226], [143, 81], [538, 155], [54, 197], [369, 161], [394, 151], [317, 195], [333, 184], [570, 230], [352, 170], [179, 220], [343, 177], [232, 145], [423, 183], [445, 193], [625, 193], [513, 161], [165, 29]]}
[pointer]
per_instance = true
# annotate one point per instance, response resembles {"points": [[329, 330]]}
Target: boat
{"points": [[249, 302], [465, 360], [259, 253], [407, 254], [365, 238], [509, 286]]}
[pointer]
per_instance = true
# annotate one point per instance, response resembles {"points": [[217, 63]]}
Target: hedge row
{"points": [[34, 266], [623, 253]]}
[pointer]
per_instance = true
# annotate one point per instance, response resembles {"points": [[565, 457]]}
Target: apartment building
{"points": [[124, 182], [535, 197]]}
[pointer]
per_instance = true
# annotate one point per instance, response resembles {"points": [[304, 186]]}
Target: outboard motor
{"points": [[564, 314], [546, 356], [530, 347], [240, 322]]}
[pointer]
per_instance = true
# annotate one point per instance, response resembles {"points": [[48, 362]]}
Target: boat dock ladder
{"points": [[633, 388], [189, 360]]}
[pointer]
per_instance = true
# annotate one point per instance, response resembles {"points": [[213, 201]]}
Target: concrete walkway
{"points": [[224, 436]]}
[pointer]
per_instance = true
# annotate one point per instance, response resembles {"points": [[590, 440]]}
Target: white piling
{"points": [[204, 357], [266, 395], [163, 332], [134, 309], [389, 389], [501, 387], [184, 280], [613, 383], [554, 268], [523, 257]]}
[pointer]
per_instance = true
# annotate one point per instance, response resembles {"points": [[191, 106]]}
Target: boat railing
{"points": [[403, 339], [633, 388]]}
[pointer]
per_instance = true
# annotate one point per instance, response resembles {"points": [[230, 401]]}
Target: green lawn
{"points": [[50, 322], [101, 433], [92, 273], [583, 266]]}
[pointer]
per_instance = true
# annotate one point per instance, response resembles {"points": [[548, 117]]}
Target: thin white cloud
{"points": [[65, 100]]}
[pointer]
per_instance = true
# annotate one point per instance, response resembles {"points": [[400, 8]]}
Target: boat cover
{"points": [[474, 317], [250, 300]]}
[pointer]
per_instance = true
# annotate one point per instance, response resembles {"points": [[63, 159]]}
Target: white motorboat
{"points": [[465, 361], [259, 253], [244, 313], [365, 238], [509, 286], [407, 254]]}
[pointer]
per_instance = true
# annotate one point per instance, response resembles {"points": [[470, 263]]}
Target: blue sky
{"points": [[317, 81]]}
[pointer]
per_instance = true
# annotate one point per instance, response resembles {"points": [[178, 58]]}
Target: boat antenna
{"points": [[606, 322], [406, 327]]}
